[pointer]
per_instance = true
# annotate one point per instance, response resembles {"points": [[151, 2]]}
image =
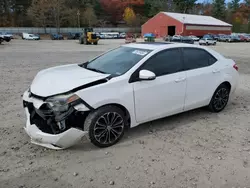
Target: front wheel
{"points": [[219, 99], [105, 126]]}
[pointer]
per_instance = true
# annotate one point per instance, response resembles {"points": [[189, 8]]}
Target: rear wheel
{"points": [[219, 99], [105, 126], [95, 43]]}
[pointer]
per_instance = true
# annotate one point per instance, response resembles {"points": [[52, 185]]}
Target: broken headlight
{"points": [[61, 103]]}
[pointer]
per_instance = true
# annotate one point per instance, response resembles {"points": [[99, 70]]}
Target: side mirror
{"points": [[146, 75]]}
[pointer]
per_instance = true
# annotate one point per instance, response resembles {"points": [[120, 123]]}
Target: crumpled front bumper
{"points": [[63, 140]]}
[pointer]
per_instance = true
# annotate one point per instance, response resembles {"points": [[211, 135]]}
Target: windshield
{"points": [[117, 61]]}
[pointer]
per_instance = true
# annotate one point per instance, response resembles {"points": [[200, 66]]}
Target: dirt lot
{"points": [[193, 149]]}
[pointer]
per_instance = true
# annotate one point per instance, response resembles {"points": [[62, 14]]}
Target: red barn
{"points": [[169, 23]]}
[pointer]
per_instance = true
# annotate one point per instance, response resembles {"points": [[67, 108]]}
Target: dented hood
{"points": [[61, 79]]}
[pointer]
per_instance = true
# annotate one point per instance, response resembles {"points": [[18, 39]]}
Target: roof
{"points": [[196, 19], [157, 45]]}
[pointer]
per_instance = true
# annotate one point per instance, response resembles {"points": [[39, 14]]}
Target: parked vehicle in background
{"points": [[167, 38], [183, 39], [7, 34], [215, 37], [1, 39], [194, 38], [56, 36], [232, 38], [221, 38], [130, 38], [243, 38], [73, 36], [28, 36], [248, 37], [122, 35], [88, 36], [114, 91], [236, 38], [176, 37], [38, 36], [207, 40], [5, 38]]}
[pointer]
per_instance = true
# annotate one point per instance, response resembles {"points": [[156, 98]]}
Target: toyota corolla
{"points": [[122, 88]]}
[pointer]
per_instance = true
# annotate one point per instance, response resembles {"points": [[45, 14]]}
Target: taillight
{"points": [[236, 67]]}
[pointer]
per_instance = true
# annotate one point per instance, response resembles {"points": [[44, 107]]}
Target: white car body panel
{"points": [[160, 97], [49, 81], [144, 100]]}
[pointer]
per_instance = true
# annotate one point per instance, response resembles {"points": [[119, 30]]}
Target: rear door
{"points": [[203, 76]]}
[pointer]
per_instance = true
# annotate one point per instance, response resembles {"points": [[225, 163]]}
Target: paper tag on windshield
{"points": [[140, 52]]}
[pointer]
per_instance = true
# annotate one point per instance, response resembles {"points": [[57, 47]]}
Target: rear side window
{"points": [[197, 58], [165, 62]]}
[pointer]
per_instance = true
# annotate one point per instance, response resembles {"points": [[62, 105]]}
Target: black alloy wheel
{"points": [[105, 126], [220, 98]]}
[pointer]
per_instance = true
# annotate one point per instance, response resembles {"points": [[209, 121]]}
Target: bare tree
{"points": [[89, 17], [49, 12], [39, 12], [59, 12]]}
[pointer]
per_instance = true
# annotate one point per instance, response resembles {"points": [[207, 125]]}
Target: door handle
{"points": [[180, 79], [216, 70]]}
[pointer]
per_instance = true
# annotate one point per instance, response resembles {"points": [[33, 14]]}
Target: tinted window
{"points": [[166, 62], [197, 58]]}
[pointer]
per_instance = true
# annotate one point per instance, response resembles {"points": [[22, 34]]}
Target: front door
{"points": [[165, 95]]}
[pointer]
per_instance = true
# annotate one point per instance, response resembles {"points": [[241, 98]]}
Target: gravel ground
{"points": [[193, 149]]}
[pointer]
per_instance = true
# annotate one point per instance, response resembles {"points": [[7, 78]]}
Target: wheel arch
{"points": [[123, 108], [227, 84]]}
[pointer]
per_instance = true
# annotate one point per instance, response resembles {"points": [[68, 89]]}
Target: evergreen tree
{"points": [[219, 9], [234, 5], [184, 6]]}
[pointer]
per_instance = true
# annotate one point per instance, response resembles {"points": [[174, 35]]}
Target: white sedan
{"points": [[207, 41], [194, 38], [124, 87]]}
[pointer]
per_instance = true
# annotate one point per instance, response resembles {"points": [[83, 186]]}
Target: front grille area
{"points": [[39, 119], [45, 119]]}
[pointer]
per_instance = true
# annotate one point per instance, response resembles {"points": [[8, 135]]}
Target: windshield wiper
{"points": [[95, 70], [83, 64]]}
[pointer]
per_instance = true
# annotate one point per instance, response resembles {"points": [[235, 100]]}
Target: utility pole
{"points": [[78, 17]]}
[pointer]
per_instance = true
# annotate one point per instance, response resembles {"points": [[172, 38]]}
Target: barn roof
{"points": [[196, 19]]}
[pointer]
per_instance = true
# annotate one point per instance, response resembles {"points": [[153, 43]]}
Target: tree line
{"points": [[103, 13]]}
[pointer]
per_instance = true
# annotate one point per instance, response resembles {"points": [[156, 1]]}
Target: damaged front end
{"points": [[54, 122]]}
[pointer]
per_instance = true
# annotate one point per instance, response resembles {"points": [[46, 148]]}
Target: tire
{"points": [[220, 98], [95, 43], [81, 40], [85, 41], [96, 121]]}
